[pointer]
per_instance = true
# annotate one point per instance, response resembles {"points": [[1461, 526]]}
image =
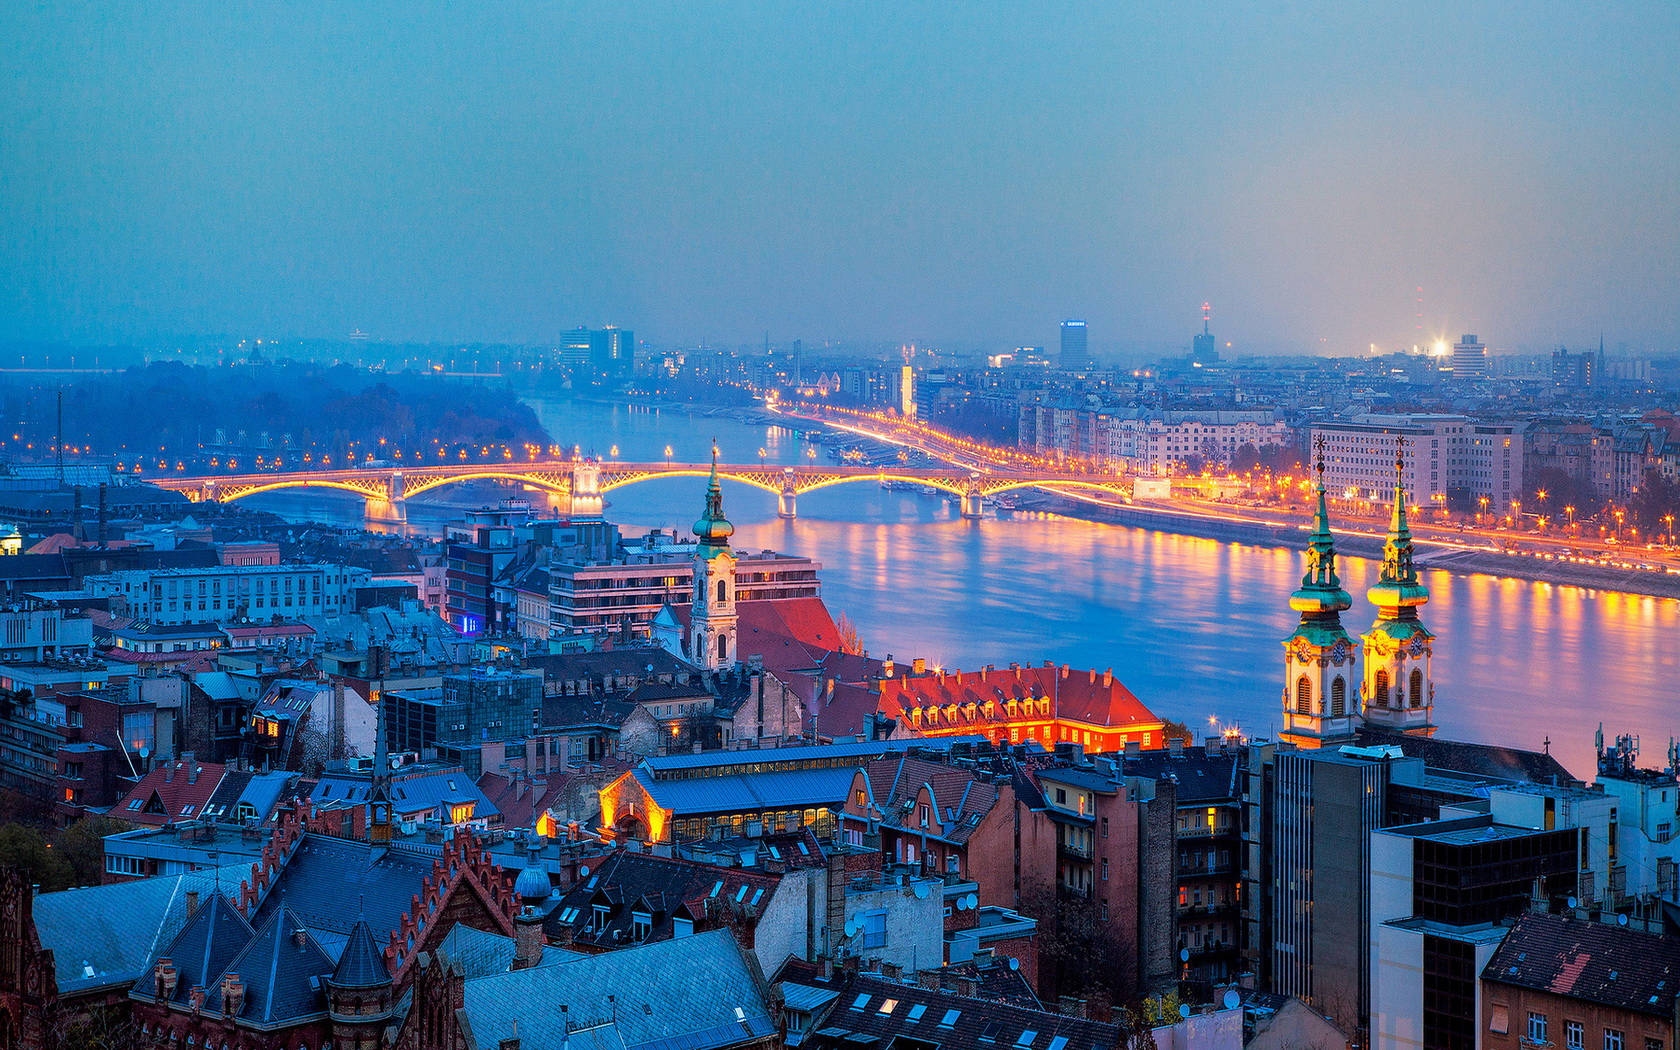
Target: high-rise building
{"points": [[1075, 350], [1203, 349], [1469, 360], [609, 354]]}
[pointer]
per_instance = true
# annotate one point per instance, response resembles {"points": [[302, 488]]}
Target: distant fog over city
{"points": [[967, 178]]}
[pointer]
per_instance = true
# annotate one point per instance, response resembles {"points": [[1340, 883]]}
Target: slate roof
{"points": [[796, 789], [1489, 761], [659, 887], [327, 878], [656, 1004], [1591, 961], [212, 938], [1202, 776], [281, 968], [361, 964], [873, 1011], [480, 954], [107, 936]]}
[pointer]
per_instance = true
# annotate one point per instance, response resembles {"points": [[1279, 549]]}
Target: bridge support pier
{"points": [[586, 500], [387, 511], [973, 503], [787, 501]]}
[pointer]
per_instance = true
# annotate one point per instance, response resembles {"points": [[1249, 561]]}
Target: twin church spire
{"points": [[1325, 700]]}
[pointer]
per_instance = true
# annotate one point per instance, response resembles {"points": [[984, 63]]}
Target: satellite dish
{"points": [[1014, 963], [1573, 903], [962, 903], [921, 891], [973, 900], [1184, 955], [583, 871], [1184, 1009], [852, 928], [1621, 920], [1231, 999]]}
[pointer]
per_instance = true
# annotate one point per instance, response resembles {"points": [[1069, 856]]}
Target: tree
{"points": [[82, 846], [1246, 459], [849, 640], [31, 854]]}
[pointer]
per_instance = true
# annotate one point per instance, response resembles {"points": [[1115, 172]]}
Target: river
{"points": [[1192, 626]]}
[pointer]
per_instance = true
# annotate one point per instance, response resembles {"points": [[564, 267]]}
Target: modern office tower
{"points": [[1075, 350], [1469, 360], [1203, 349]]}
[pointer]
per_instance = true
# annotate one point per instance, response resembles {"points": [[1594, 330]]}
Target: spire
{"points": [[713, 529], [1321, 589], [1398, 587]]}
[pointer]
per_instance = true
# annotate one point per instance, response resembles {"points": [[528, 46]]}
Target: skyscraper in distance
{"points": [[1203, 350], [1075, 350], [1469, 360]]}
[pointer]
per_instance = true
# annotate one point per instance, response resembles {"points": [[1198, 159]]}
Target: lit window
{"points": [[887, 1006]]}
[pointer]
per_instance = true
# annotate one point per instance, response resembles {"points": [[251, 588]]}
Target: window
{"points": [[1417, 687], [887, 1006], [1536, 1027], [875, 929], [1338, 697], [1303, 696], [861, 1001], [916, 1012], [950, 1019], [1380, 689], [1653, 1044], [1614, 1040], [1027, 1038], [1574, 1035]]}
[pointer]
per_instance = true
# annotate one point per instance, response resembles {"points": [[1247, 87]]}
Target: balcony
{"points": [[1073, 850]]}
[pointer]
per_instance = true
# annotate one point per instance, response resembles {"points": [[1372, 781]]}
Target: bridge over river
{"points": [[580, 484]]}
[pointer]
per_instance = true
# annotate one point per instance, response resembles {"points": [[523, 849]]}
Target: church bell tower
{"points": [[1399, 690], [712, 628], [1320, 661]]}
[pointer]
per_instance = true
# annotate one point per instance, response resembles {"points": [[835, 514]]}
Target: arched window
{"points": [[1303, 696], [723, 647], [1381, 689], [1417, 687], [723, 591], [1338, 697]]}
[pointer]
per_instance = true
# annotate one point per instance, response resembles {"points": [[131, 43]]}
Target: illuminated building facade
{"points": [[1049, 704]]}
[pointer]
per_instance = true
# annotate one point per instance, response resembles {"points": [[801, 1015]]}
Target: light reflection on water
{"points": [[1192, 626]]}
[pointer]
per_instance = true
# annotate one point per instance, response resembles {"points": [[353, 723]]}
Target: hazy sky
{"points": [[963, 174]]}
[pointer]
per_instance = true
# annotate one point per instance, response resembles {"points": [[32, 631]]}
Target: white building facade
{"points": [[230, 592]]}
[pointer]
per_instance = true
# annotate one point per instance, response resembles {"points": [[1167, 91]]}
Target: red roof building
{"points": [[173, 791], [1047, 704]]}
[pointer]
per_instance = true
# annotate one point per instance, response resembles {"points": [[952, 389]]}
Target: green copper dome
{"points": [[713, 529], [1321, 590], [1398, 590]]}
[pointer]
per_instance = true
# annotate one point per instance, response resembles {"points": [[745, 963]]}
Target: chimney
{"points": [[299, 937], [1214, 745], [1108, 678], [166, 976], [527, 939], [196, 997], [1133, 749], [102, 516], [233, 994], [918, 666], [889, 668], [1175, 746], [169, 773], [192, 903], [1071, 1007], [192, 774]]}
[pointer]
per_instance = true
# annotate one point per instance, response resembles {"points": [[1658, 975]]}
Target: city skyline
{"points": [[888, 176]]}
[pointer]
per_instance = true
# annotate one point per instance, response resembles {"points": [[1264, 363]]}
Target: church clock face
{"points": [[1417, 647], [1338, 652]]}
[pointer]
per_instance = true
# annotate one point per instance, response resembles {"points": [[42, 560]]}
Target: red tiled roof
{"points": [[1082, 696], [1590, 961], [172, 791]]}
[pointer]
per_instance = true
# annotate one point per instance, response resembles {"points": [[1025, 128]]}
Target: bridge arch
{"points": [[608, 482], [944, 486], [1112, 488], [414, 486], [365, 491]]}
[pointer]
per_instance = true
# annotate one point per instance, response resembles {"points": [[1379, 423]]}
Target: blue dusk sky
{"points": [[963, 175]]}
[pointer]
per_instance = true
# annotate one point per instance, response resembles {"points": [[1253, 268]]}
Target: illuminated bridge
{"points": [[580, 484]]}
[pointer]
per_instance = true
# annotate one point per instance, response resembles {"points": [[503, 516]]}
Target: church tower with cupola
{"points": [[1320, 660], [712, 626], [1399, 691]]}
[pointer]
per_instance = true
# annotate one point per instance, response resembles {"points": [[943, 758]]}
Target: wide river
{"points": [[1192, 626]]}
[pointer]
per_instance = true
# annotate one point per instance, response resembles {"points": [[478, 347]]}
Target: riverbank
{"points": [[1361, 545]]}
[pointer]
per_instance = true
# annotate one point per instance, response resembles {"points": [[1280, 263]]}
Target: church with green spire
{"points": [[712, 626], [1399, 690], [1320, 705]]}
